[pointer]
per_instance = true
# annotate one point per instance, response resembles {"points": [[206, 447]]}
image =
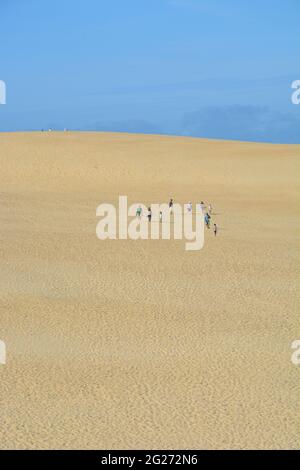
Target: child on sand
{"points": [[139, 212], [215, 229]]}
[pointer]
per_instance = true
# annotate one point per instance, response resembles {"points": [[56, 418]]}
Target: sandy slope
{"points": [[124, 344]]}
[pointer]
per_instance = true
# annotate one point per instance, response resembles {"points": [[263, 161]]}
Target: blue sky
{"points": [[207, 68]]}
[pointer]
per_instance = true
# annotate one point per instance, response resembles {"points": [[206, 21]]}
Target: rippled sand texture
{"points": [[124, 344]]}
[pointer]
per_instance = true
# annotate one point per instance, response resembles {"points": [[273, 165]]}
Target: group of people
{"points": [[207, 216]]}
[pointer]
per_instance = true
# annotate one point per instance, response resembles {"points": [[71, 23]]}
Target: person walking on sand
{"points": [[149, 214], [190, 207], [209, 209], [160, 216], [171, 205], [215, 229], [139, 212], [202, 205], [207, 220]]}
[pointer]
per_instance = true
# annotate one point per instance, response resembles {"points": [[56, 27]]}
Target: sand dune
{"points": [[123, 344]]}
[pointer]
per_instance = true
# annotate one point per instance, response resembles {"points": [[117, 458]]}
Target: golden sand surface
{"points": [[123, 344]]}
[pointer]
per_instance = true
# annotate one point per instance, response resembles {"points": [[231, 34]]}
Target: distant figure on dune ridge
{"points": [[215, 229]]}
